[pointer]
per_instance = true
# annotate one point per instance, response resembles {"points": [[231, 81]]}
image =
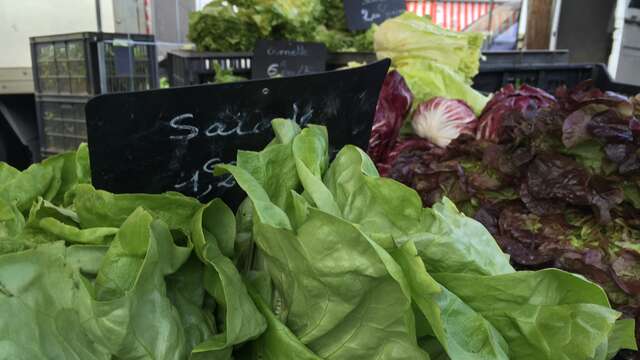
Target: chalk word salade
{"points": [[198, 183]]}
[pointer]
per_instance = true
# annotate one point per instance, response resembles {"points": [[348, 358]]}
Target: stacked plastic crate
{"points": [[69, 69]]}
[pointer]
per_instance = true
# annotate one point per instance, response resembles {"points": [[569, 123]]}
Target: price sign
{"points": [[272, 59], [171, 139], [361, 14]]}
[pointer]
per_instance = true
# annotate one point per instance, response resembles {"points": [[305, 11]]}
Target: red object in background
{"points": [[147, 16], [445, 9], [459, 17], [453, 15], [433, 10], [468, 15], [464, 15]]}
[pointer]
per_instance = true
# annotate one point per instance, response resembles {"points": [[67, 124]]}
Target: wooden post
{"points": [[538, 33]]}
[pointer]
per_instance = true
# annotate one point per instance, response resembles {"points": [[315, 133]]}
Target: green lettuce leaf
{"points": [[622, 337], [428, 79], [455, 243], [461, 332], [51, 179], [49, 223], [130, 292], [12, 223], [185, 289], [277, 342], [97, 208], [274, 166], [213, 234], [535, 312], [48, 306]]}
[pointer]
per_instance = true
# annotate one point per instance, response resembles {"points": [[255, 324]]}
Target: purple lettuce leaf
{"points": [[393, 105]]}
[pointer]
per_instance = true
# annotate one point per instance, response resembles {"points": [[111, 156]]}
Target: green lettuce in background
{"points": [[409, 38], [324, 260], [236, 25], [220, 26]]}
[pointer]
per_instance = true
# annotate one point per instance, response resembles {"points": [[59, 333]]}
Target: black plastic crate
{"points": [[549, 77], [92, 63], [61, 122], [196, 67], [526, 57], [186, 67]]}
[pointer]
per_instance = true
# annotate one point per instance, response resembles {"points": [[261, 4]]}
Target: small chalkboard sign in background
{"points": [[361, 14], [279, 58], [171, 139]]}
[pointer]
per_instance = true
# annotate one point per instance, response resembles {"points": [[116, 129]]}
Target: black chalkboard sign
{"points": [[279, 58], [361, 14], [170, 139]]}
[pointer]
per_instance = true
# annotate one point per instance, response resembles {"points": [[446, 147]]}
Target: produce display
{"points": [[236, 25], [554, 179], [493, 227], [324, 260]]}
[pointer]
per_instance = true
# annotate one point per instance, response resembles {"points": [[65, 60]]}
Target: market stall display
{"points": [[324, 260], [475, 226], [553, 178]]}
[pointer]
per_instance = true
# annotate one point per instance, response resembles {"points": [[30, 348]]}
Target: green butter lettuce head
{"points": [[22, 194], [318, 260], [95, 275], [410, 38], [428, 79], [346, 241]]}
